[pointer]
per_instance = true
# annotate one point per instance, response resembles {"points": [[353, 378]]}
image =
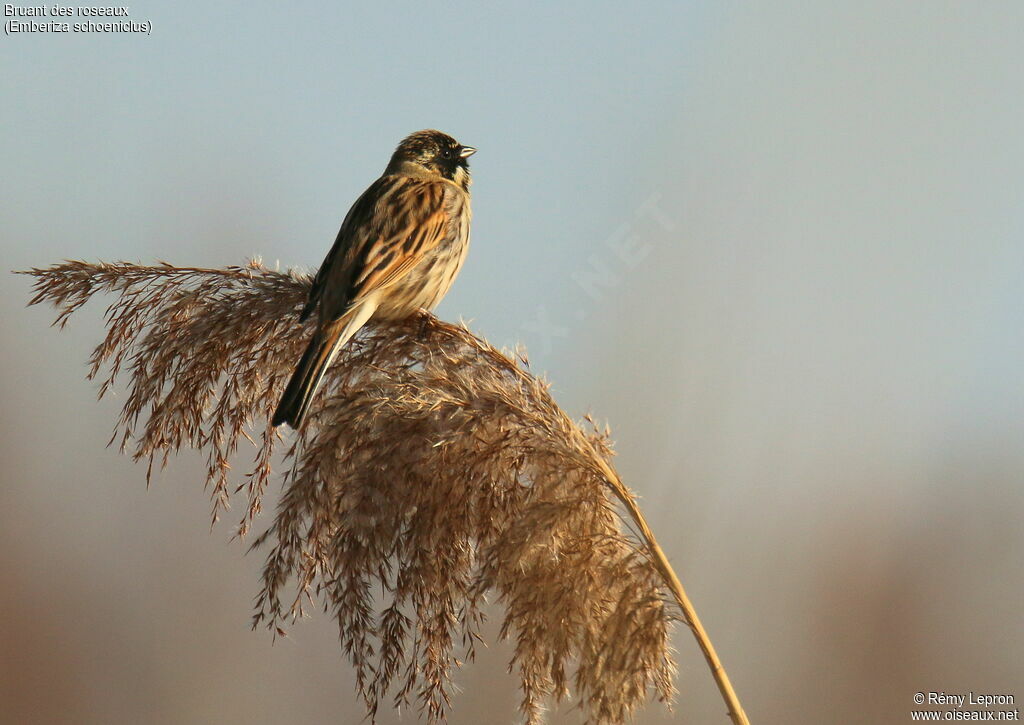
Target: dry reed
{"points": [[433, 468]]}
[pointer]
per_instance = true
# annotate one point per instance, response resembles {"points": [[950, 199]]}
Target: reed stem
{"points": [[732, 701]]}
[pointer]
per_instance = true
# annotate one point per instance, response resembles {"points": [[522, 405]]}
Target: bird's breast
{"points": [[426, 284]]}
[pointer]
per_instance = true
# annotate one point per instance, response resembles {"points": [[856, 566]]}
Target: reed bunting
{"points": [[398, 250]]}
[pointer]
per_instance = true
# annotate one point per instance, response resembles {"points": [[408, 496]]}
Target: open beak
{"points": [[466, 152]]}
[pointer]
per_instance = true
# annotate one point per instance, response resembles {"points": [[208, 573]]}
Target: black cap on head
{"points": [[436, 151]]}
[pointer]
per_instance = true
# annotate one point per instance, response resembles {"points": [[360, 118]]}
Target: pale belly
{"points": [[426, 284]]}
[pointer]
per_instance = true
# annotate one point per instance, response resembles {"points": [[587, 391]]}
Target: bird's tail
{"points": [[319, 353]]}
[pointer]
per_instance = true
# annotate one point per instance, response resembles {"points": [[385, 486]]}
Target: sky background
{"points": [[778, 247]]}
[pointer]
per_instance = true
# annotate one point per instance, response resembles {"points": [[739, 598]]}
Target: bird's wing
{"points": [[357, 216], [385, 234]]}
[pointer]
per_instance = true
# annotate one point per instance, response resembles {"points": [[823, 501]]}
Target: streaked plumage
{"points": [[399, 249]]}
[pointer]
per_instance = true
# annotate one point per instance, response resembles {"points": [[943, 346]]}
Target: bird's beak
{"points": [[466, 152]]}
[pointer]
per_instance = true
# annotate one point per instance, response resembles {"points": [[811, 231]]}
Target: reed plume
{"points": [[433, 468]]}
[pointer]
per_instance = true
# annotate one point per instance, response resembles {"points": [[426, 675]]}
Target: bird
{"points": [[399, 249]]}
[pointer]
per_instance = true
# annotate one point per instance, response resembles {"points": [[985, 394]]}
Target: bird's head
{"points": [[436, 153]]}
